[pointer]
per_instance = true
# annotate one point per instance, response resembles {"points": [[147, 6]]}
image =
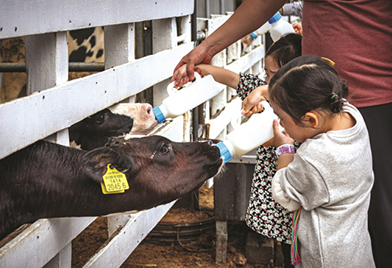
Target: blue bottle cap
{"points": [[253, 35], [224, 151], [276, 17], [159, 115]]}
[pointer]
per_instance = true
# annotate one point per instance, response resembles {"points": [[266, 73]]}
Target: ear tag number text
{"points": [[114, 181]]}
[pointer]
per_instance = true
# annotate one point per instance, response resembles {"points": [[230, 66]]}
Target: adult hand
{"points": [[198, 55]]}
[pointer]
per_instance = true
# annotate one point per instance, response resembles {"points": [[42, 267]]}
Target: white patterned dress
{"points": [[264, 215]]}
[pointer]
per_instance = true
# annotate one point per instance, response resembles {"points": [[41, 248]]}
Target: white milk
{"points": [[187, 98], [255, 132]]}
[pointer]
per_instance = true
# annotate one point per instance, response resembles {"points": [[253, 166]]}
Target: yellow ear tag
{"points": [[114, 181]]}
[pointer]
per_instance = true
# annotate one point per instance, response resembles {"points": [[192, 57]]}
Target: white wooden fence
{"points": [[54, 103]]}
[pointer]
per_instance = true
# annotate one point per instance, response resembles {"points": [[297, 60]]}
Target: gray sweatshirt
{"points": [[330, 178]]}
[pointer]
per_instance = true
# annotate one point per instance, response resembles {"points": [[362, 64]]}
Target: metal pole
{"points": [[73, 67]]}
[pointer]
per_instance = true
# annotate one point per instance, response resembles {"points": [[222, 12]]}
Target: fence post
{"points": [[164, 36], [47, 66], [119, 49]]}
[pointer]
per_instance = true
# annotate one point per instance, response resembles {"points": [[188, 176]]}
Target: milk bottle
{"points": [[192, 95], [255, 132], [279, 27]]}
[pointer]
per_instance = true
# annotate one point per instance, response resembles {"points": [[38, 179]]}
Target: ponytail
{"points": [[337, 97]]}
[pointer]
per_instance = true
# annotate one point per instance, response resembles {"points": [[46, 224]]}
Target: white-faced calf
{"points": [[123, 118], [47, 180]]}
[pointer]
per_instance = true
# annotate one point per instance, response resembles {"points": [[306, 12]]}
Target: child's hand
{"points": [[297, 28], [279, 137], [181, 72], [251, 104], [185, 79]]}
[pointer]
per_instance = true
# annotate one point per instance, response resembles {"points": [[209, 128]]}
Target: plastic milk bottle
{"points": [[279, 27], [253, 133], [201, 90]]}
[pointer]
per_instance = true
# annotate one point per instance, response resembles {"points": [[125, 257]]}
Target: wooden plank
{"points": [[29, 119], [119, 49], [29, 17], [231, 112], [47, 65], [247, 61], [221, 241], [46, 61], [215, 23], [63, 259], [39, 243], [121, 245]]}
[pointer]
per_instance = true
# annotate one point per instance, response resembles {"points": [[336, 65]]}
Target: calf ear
{"points": [[94, 163]]}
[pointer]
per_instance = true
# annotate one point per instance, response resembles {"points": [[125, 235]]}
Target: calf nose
{"points": [[113, 142]]}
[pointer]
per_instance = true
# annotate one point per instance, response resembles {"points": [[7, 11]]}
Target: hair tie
{"points": [[330, 62], [333, 95]]}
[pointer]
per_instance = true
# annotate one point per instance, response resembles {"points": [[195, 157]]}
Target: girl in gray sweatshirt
{"points": [[327, 182]]}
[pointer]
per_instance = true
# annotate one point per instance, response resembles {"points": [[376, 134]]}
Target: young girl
{"points": [[263, 215], [328, 180]]}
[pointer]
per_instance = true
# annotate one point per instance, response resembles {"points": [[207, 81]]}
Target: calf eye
{"points": [[165, 149], [100, 119]]}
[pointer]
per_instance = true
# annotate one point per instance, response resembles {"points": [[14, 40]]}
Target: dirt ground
{"points": [[194, 251]]}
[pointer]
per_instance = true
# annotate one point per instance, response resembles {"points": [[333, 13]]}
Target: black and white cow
{"points": [[47, 180], [85, 45]]}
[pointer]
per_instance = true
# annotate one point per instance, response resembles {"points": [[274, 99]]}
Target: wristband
{"points": [[285, 149]]}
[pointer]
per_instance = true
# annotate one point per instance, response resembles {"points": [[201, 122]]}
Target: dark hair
{"points": [[307, 83], [285, 49]]}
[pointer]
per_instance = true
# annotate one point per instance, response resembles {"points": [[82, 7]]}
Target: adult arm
{"points": [[249, 16]]}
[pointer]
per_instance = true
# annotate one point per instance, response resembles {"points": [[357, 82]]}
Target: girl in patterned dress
{"points": [[264, 215]]}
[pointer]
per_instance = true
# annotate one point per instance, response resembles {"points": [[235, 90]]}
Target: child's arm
{"points": [[280, 139], [219, 74], [251, 104], [283, 161], [280, 196]]}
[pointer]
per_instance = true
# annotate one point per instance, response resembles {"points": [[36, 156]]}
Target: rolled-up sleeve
{"points": [[300, 182], [280, 196]]}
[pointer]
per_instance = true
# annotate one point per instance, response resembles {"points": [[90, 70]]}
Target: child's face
{"points": [[298, 133], [270, 68]]}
